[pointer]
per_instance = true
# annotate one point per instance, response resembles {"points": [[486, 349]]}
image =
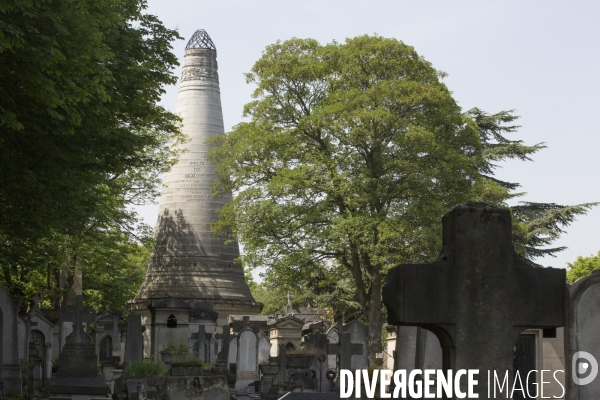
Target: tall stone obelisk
{"points": [[188, 262]]}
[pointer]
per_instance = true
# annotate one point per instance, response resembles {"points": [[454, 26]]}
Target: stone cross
{"points": [[80, 314], [345, 349], [478, 296], [200, 336], [78, 282], [225, 346]]}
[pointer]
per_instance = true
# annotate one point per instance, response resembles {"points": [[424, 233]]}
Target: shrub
{"points": [[145, 369]]}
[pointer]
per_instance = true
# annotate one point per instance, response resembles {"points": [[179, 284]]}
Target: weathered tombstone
{"points": [[479, 295], [224, 338], [232, 354], [9, 353], [333, 337], [345, 349], [247, 357], [317, 343], [358, 335], [134, 344], [199, 338], [77, 363], [583, 335], [264, 349]]}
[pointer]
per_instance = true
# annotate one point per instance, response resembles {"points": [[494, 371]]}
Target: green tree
{"points": [[82, 137], [351, 155], [582, 267], [78, 110], [352, 152]]}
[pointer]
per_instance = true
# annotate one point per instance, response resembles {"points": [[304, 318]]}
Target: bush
{"points": [[176, 347], [145, 369]]}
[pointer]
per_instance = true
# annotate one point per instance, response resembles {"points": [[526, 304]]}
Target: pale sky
{"points": [[540, 58]]}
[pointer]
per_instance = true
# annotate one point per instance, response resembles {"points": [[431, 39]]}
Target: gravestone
{"points": [[134, 342], [10, 373], [232, 354], [264, 349], [77, 363], [333, 337], [345, 349], [584, 333], [479, 296], [247, 357], [317, 342], [200, 338], [224, 338], [358, 335]]}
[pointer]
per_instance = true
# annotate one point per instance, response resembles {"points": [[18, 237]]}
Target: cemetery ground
{"points": [[484, 309]]}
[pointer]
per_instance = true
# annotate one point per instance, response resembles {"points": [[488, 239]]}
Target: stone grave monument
{"points": [[584, 336], [247, 357], [77, 363], [480, 296]]}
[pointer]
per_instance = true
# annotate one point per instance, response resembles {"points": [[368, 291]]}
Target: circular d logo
{"points": [[583, 364]]}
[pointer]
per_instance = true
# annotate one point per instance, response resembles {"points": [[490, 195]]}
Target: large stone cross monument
{"points": [[478, 296]]}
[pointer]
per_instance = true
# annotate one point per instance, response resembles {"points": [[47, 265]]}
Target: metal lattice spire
{"points": [[201, 40]]}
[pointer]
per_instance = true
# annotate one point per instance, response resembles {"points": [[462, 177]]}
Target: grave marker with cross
{"points": [[78, 314], [225, 336], [200, 336], [345, 349], [478, 296]]}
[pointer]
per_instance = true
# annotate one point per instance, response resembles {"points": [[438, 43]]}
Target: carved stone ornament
{"points": [[199, 74]]}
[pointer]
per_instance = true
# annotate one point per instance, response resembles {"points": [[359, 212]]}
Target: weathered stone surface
{"points": [[188, 261], [141, 385], [358, 335], [478, 296], [247, 358], [89, 386], [134, 343], [10, 373], [78, 357], [345, 349], [264, 349], [584, 331], [193, 387]]}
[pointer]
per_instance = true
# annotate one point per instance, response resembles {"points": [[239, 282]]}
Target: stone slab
{"points": [[66, 385]]}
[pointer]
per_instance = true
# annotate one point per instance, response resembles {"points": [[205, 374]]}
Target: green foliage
{"points": [[582, 267], [351, 154], [145, 369], [535, 225], [177, 347], [82, 139]]}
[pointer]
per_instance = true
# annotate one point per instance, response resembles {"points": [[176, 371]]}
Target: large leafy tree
{"points": [[82, 137], [352, 153], [78, 108]]}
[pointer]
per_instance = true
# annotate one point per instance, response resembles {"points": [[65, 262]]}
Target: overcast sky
{"points": [[540, 58]]}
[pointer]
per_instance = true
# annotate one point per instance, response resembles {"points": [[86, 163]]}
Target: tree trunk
{"points": [[374, 320]]}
